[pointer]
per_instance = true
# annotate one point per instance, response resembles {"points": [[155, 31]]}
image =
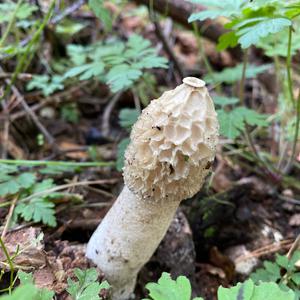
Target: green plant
{"points": [[46, 84], [87, 286], [282, 271], [117, 63], [166, 288], [270, 25], [36, 198]]}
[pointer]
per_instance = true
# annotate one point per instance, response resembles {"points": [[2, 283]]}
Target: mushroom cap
{"points": [[173, 144]]}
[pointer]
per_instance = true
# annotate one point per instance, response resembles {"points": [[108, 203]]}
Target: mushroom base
{"points": [[127, 237]]}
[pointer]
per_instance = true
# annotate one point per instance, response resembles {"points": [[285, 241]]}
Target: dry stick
{"points": [[5, 130], [105, 127], [75, 6], [34, 117], [9, 215], [21, 76], [166, 45], [289, 164], [295, 246]]}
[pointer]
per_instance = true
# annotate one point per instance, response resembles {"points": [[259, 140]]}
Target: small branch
{"points": [[166, 45], [295, 141], [68, 11], [105, 127], [9, 215], [21, 76]]}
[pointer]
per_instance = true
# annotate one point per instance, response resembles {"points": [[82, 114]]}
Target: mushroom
{"points": [[172, 148]]}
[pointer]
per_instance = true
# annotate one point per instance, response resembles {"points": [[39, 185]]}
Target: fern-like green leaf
{"points": [[86, 287], [215, 9]]}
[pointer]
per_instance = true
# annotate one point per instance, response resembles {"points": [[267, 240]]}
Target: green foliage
{"points": [[46, 84], [86, 287], [97, 6], [27, 290], [12, 184], [167, 288], [223, 101], [24, 11], [277, 45], [39, 208], [249, 291], [232, 122], [216, 8], [231, 75], [118, 64], [70, 113], [249, 22], [254, 29], [128, 117], [283, 270]]}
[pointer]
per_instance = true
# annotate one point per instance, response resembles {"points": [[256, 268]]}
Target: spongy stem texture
{"points": [[127, 238]]}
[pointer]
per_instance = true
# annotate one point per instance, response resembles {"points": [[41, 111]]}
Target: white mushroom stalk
{"points": [[172, 147]]}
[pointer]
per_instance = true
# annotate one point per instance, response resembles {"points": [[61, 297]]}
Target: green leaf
{"points": [[227, 40], [215, 9], [232, 123], [25, 278], [10, 185], [127, 117], [121, 152], [24, 292], [46, 84], [223, 101], [86, 287], [166, 288], [97, 6], [250, 35], [37, 210], [231, 75], [296, 278], [122, 76], [249, 291], [24, 11]]}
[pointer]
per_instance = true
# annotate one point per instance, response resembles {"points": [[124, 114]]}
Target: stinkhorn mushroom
{"points": [[172, 148]]}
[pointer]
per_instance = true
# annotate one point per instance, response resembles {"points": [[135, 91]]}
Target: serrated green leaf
{"points": [[37, 210], [26, 180], [25, 278], [46, 84], [215, 9], [86, 287], [122, 76], [24, 292], [251, 35]]}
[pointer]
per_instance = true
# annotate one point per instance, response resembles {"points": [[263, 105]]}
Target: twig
{"points": [[69, 10], [33, 116], [295, 141], [9, 215], [21, 76], [166, 45], [5, 130], [105, 127]]}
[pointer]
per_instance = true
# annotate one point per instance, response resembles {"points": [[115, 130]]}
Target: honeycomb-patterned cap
{"points": [[173, 144]]}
